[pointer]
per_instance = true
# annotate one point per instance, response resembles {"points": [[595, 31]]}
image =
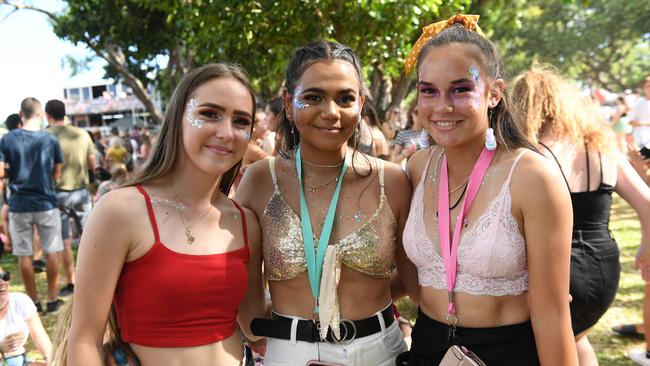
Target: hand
{"points": [[642, 262], [409, 149], [258, 347], [11, 342]]}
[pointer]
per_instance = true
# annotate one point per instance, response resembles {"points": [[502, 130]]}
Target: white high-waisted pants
{"points": [[379, 349]]}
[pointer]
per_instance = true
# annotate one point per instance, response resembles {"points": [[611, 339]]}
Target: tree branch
{"points": [[17, 7]]}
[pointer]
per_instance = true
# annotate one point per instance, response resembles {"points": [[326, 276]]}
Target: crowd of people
{"points": [[283, 234]]}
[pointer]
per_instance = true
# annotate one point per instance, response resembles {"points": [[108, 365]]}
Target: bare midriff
{"points": [[360, 296], [228, 352], [476, 311]]}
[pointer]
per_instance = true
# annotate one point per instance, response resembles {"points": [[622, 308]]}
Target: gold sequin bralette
{"points": [[368, 249]]}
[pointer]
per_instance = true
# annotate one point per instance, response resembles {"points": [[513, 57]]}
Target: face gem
{"points": [[473, 70], [191, 108]]}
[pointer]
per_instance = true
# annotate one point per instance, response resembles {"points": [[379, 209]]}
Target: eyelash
{"points": [[348, 99], [456, 90], [212, 116]]}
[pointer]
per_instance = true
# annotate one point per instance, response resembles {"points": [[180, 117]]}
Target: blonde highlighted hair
{"points": [[545, 104]]}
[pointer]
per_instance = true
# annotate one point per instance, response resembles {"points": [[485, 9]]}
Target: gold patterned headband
{"points": [[470, 22]]}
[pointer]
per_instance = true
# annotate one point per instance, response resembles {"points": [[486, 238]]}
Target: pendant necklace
{"points": [[188, 229]]}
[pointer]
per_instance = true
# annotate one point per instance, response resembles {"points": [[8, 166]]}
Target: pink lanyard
{"points": [[449, 249]]}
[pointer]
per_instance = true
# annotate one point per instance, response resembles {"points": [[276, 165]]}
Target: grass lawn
{"points": [[611, 350]]}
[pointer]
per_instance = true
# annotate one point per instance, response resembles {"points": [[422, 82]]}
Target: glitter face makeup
{"points": [[191, 108], [245, 134], [473, 71], [297, 103]]}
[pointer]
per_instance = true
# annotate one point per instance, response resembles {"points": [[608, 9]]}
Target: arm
{"points": [[102, 253], [547, 225], [2, 169], [397, 153], [39, 336], [634, 191], [253, 305], [56, 172], [398, 190]]}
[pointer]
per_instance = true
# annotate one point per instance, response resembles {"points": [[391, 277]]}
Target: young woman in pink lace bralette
{"points": [[489, 229]]}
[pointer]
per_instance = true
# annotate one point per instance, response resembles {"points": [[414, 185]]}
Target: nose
{"points": [[443, 104], [330, 111], [224, 130]]}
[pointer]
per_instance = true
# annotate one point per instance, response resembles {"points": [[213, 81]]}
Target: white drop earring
{"points": [[490, 140]]}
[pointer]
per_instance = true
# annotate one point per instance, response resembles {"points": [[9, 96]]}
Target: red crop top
{"points": [[171, 299]]}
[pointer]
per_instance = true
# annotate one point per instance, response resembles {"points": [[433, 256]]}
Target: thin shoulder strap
{"points": [[514, 164], [243, 221], [273, 174], [588, 170], [600, 161], [152, 217], [558, 164], [426, 167], [380, 165]]}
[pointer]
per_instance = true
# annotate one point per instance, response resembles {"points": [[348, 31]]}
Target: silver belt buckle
{"points": [[349, 327]]}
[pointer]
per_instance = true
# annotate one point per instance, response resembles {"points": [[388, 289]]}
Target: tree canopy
{"points": [[151, 43]]}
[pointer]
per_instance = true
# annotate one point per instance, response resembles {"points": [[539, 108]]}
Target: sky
{"points": [[31, 58]]}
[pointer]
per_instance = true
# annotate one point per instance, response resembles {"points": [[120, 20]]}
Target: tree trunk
{"points": [[401, 87], [115, 57]]}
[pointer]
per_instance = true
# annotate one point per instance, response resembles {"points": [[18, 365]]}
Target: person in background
{"points": [[408, 140], [571, 132], [372, 140], [145, 148], [273, 109], [72, 195], [19, 320], [35, 159], [119, 175]]}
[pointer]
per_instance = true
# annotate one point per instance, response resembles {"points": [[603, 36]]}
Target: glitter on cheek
{"points": [[193, 120], [298, 104], [473, 70], [246, 135]]}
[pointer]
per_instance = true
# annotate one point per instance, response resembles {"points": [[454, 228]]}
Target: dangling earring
{"points": [[490, 140], [293, 135]]}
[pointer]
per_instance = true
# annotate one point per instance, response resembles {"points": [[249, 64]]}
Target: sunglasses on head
{"points": [[5, 276]]}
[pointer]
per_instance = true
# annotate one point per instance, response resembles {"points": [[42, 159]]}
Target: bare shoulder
{"points": [[256, 185], [417, 163], [535, 178], [122, 204]]}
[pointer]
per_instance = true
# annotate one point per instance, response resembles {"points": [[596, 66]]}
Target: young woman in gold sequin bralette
{"points": [[340, 314]]}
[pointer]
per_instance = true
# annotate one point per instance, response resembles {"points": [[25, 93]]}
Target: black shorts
{"points": [[505, 345], [595, 271]]}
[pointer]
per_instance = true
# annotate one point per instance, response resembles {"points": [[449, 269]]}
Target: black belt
{"points": [[307, 330]]}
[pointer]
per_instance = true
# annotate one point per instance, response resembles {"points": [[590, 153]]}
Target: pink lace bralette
{"points": [[491, 253]]}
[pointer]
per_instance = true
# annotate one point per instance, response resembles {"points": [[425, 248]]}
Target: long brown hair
{"points": [[507, 132], [164, 154], [544, 103]]}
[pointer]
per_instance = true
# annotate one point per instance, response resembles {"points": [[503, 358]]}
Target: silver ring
{"points": [[349, 329]]}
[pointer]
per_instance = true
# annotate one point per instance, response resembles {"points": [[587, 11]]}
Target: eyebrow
{"points": [[322, 91], [223, 109], [457, 81]]}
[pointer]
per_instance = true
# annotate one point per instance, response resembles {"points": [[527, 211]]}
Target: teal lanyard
{"points": [[314, 260]]}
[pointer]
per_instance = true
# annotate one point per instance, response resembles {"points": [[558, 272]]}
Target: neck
{"points": [[461, 159], [32, 124], [193, 186], [57, 123], [322, 157]]}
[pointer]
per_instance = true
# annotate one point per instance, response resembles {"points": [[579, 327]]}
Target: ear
{"points": [[497, 87], [288, 105]]}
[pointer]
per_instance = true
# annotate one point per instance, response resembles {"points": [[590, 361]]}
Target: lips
{"points": [[329, 129], [445, 124], [222, 150]]}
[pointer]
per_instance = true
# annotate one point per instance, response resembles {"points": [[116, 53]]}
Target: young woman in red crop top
{"points": [[170, 252], [489, 227]]}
